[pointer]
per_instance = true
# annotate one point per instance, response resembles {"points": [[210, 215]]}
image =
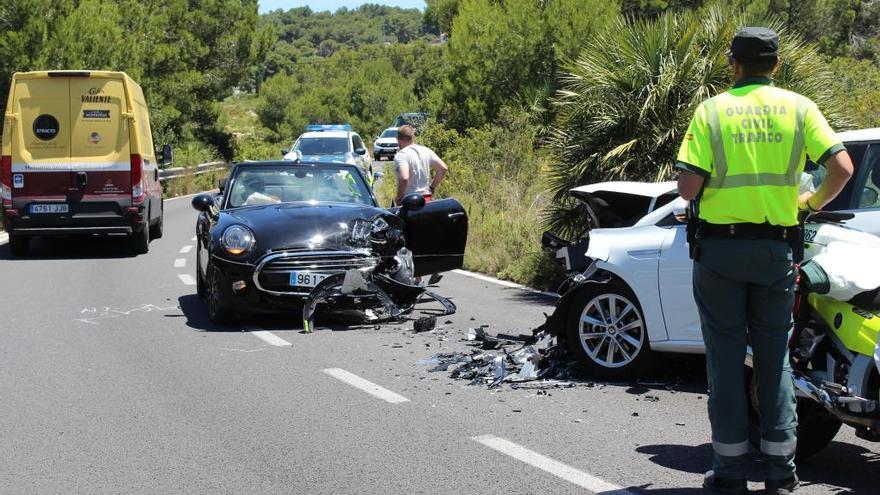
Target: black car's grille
{"points": [[273, 271]]}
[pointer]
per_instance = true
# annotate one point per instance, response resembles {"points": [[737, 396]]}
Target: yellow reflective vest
{"points": [[751, 144]]}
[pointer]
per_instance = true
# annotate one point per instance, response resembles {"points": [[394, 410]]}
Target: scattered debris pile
{"points": [[523, 361]]}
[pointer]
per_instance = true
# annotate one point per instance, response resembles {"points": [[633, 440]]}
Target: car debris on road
{"points": [[535, 363]]}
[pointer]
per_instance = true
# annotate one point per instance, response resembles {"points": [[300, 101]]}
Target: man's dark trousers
{"points": [[744, 289]]}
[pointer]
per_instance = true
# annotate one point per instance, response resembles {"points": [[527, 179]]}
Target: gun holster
{"points": [[693, 229]]}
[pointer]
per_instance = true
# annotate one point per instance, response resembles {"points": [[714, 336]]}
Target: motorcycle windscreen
{"points": [[437, 235]]}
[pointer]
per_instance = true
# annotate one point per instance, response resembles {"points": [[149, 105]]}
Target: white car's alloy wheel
{"points": [[611, 330]]}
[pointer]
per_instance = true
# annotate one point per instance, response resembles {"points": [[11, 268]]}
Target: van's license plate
{"points": [[306, 279], [60, 208]]}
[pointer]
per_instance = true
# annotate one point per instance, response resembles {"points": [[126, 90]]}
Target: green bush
{"points": [[496, 172]]}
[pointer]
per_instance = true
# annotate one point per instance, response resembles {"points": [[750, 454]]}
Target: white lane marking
{"points": [[270, 338], [4, 238], [365, 386], [186, 278], [180, 263], [186, 249], [552, 466], [505, 283]]}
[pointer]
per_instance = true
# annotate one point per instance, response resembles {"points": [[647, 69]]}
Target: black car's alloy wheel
{"points": [[201, 290], [217, 312]]}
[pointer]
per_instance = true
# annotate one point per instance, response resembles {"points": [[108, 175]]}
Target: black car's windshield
{"points": [[322, 145], [286, 184], [389, 133]]}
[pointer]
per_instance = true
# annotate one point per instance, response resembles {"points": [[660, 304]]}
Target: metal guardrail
{"points": [[175, 172]]}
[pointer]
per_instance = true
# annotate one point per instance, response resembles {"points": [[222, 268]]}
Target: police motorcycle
{"points": [[834, 347]]}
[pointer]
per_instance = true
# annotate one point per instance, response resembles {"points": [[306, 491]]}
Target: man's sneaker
{"points": [[781, 487], [435, 278], [727, 486]]}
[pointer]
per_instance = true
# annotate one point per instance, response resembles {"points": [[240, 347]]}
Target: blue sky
{"points": [[332, 5]]}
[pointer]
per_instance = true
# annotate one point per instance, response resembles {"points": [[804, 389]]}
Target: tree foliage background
{"points": [[185, 54]]}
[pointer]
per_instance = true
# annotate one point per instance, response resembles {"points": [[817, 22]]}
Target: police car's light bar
{"points": [[328, 127]]}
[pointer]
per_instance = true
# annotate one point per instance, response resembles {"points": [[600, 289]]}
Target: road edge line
{"points": [[504, 283]]}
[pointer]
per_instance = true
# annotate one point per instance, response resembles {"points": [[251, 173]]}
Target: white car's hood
{"points": [[648, 189], [387, 141]]}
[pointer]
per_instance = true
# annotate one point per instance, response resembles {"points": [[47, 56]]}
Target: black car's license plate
{"points": [[306, 279]]}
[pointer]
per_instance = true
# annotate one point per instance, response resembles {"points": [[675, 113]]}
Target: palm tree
{"points": [[626, 102]]}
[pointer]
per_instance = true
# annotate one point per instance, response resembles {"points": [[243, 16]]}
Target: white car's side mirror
{"points": [[680, 214]]}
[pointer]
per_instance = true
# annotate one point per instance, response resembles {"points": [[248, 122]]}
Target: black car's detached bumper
{"points": [[83, 218]]}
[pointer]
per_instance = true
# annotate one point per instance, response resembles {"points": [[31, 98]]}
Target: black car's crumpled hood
{"points": [[302, 225]]}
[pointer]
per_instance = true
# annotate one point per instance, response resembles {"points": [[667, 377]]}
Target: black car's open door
{"points": [[437, 235]]}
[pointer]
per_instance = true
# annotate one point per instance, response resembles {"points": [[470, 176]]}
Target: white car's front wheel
{"points": [[606, 332]]}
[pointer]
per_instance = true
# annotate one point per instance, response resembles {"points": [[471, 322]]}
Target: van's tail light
{"points": [[6, 180], [137, 178]]}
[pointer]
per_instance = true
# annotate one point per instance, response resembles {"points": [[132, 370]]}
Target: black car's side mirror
{"points": [[203, 202], [221, 184], [361, 151], [284, 152], [412, 202], [166, 156]]}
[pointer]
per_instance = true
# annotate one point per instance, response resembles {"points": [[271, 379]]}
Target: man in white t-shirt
{"points": [[413, 164]]}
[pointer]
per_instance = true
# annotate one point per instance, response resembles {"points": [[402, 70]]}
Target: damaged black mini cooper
{"points": [[292, 237]]}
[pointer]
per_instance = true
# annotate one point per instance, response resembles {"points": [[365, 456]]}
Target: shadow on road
{"points": [[837, 466], [196, 312], [73, 247]]}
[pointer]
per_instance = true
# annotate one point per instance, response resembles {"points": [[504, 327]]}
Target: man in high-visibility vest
{"points": [[741, 161]]}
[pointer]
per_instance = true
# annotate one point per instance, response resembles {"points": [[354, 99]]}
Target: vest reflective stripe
{"points": [[719, 158], [720, 179], [731, 449]]}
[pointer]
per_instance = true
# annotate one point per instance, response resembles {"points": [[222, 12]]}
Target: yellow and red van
{"points": [[78, 158]]}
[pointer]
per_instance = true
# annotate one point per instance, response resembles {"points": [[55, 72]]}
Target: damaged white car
{"points": [[629, 295]]}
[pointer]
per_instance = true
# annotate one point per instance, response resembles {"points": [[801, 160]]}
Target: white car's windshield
{"points": [[322, 146], [389, 133], [273, 185]]}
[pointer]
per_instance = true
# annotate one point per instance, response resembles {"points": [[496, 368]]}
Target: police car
{"points": [[636, 252], [331, 143]]}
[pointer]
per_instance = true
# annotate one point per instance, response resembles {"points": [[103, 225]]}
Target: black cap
{"points": [[755, 44]]}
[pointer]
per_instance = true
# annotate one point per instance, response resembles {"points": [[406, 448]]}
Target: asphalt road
{"points": [[112, 380]]}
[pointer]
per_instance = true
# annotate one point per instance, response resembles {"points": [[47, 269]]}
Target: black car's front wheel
{"points": [[607, 333], [217, 311], [201, 288]]}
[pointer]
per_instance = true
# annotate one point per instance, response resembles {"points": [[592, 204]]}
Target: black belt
{"points": [[747, 231]]}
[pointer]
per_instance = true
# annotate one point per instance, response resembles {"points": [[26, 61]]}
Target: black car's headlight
{"points": [[237, 240], [363, 230]]}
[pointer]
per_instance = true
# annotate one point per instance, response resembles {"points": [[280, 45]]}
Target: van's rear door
{"points": [[100, 157], [41, 145]]}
